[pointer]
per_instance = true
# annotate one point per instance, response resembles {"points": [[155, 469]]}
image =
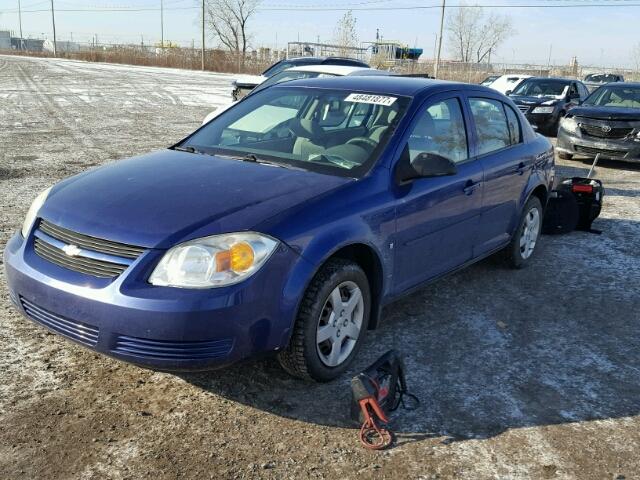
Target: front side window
{"points": [[492, 129], [440, 130], [329, 131]]}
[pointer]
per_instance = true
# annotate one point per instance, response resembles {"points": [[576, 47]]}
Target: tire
{"points": [[305, 357], [565, 156], [517, 255]]}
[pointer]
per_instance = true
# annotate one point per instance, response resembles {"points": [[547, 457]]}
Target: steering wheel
{"points": [[363, 142]]}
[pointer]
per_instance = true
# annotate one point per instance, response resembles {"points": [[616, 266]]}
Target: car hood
{"points": [[606, 113], [163, 198], [524, 100]]}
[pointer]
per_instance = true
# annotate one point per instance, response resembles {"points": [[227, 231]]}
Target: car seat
{"points": [[309, 135]]}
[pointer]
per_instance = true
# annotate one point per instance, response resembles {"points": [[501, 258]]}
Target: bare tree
{"points": [[228, 21], [345, 35], [474, 35]]}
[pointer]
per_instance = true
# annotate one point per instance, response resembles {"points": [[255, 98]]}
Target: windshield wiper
{"points": [[188, 149], [250, 157]]}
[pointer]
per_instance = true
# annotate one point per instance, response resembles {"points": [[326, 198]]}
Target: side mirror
{"points": [[423, 166], [508, 92]]}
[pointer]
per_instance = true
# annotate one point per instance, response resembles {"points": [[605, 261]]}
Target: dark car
{"points": [[607, 122], [595, 80], [242, 86], [284, 225], [544, 101]]}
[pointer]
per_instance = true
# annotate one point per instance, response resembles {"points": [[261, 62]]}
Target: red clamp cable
{"points": [[372, 436]]}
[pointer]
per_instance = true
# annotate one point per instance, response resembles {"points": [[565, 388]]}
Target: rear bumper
{"points": [[614, 149], [158, 327]]}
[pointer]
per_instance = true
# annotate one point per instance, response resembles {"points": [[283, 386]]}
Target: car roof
{"points": [[555, 79], [333, 69], [383, 85]]}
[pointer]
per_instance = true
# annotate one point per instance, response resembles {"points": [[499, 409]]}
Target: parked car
{"points": [[507, 83], [489, 80], [607, 122], [243, 85], [544, 101], [595, 80], [250, 237], [296, 73]]}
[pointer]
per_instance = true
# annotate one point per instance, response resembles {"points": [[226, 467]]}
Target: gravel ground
{"points": [[521, 374]]}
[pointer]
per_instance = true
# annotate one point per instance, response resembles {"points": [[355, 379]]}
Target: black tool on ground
{"points": [[574, 204], [376, 392]]}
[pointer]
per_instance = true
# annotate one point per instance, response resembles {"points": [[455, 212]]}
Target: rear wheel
{"points": [[331, 323], [525, 239]]}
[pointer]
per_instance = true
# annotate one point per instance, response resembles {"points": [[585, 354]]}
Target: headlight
{"points": [[543, 110], [569, 124], [32, 213], [214, 261]]}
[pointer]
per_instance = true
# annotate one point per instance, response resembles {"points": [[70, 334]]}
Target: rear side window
{"points": [[492, 129], [440, 130], [515, 135]]}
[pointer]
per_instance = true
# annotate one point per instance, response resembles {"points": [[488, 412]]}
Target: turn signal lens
{"points": [[242, 257]]}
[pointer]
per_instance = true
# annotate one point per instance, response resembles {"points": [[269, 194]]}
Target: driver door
{"points": [[437, 218]]}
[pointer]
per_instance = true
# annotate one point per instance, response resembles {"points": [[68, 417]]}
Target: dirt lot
{"points": [[528, 374]]}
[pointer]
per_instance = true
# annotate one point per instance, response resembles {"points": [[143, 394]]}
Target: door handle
{"points": [[470, 187], [521, 168]]}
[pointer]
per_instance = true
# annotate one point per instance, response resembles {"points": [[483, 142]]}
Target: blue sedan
{"points": [[284, 225]]}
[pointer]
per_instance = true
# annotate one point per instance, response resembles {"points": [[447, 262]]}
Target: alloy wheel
{"points": [[340, 324], [530, 231]]}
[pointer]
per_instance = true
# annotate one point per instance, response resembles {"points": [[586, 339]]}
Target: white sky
{"points": [[602, 36]]}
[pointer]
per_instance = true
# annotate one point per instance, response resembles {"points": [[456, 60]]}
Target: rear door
{"points": [[506, 163], [437, 218]]}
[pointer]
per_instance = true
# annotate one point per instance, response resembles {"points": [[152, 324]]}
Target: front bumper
{"points": [[544, 122], [588, 147], [157, 327]]}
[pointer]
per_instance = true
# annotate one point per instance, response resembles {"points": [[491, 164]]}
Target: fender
{"points": [[318, 251]]}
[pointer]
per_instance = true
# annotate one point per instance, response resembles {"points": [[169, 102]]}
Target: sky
{"points": [[599, 32]]}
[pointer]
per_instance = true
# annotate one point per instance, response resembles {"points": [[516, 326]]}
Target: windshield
{"points": [[329, 131], [615, 96], [542, 88], [601, 78], [288, 75], [284, 64], [490, 79]]}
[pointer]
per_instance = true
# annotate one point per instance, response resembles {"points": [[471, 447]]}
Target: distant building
{"points": [[27, 44], [5, 40], [61, 46]]}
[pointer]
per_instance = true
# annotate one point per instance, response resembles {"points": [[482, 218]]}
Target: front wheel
{"points": [[331, 323], [565, 156], [525, 239]]}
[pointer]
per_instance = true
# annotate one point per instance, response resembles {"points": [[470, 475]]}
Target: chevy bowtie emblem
{"points": [[71, 250], [606, 128]]}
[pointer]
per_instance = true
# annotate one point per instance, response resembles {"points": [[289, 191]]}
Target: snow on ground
{"points": [[521, 374]]}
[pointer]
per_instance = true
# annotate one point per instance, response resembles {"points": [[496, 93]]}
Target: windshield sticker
{"points": [[368, 98]]}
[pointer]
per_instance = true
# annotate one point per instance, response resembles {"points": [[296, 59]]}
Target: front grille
{"points": [[523, 108], [594, 151], [80, 332], [162, 350], [90, 266], [597, 131], [90, 243], [96, 257]]}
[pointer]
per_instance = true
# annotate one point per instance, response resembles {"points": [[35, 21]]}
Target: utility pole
{"points": [[20, 22], [162, 24], [203, 35], [437, 65], [53, 21]]}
